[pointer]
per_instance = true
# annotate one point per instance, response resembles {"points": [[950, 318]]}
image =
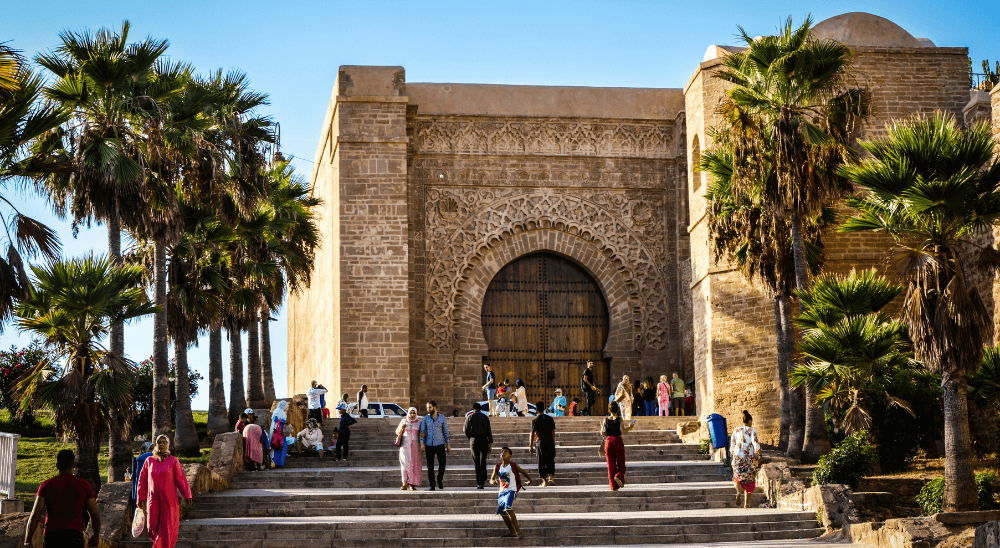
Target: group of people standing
{"points": [[646, 399]]}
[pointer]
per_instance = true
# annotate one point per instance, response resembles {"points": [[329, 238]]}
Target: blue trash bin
{"points": [[718, 431]]}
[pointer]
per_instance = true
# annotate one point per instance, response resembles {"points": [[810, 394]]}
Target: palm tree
{"points": [[790, 93], [294, 228], [106, 83], [746, 233], [71, 307], [29, 147], [218, 416], [936, 190], [858, 351]]}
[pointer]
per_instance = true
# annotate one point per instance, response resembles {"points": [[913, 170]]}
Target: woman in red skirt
{"points": [[612, 447]]}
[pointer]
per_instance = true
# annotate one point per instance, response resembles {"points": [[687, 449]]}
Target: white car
{"points": [[532, 412], [378, 410]]}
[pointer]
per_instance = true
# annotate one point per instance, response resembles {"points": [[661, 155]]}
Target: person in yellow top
{"points": [[677, 394]]}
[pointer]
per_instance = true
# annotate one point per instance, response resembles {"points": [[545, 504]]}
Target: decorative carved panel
{"points": [[626, 225], [559, 137]]}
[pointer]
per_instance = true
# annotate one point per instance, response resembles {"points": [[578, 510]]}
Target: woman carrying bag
{"points": [[408, 441], [159, 481]]}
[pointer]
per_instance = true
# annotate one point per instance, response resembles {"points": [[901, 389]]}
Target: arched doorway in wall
{"points": [[543, 317]]}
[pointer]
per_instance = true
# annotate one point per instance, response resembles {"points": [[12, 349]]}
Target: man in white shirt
{"points": [[315, 409], [363, 401]]}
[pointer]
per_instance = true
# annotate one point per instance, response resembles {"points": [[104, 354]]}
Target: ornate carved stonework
{"points": [[556, 137], [493, 175], [626, 225]]}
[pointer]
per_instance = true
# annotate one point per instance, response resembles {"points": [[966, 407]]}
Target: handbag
{"points": [[138, 522], [399, 439]]}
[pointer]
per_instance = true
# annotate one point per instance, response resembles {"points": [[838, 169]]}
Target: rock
{"points": [[689, 432], [112, 503], [833, 504], [925, 532], [12, 530], [770, 478], [298, 411], [967, 518], [227, 458], [987, 535]]}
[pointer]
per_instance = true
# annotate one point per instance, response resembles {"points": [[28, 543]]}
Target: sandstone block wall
{"points": [[734, 341]]}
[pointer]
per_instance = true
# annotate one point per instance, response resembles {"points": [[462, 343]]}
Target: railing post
{"points": [[8, 473]]}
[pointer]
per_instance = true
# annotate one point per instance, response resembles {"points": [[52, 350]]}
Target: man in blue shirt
{"points": [[558, 406], [435, 442]]}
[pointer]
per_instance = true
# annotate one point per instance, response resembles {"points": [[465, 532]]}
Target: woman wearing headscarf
{"points": [[521, 397], [253, 454], [159, 481], [745, 450], [145, 452], [663, 396], [279, 449], [624, 397], [408, 432]]}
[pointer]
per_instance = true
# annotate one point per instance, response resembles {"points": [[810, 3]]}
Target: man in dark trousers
{"points": [[477, 429], [343, 434], [435, 442], [64, 500], [543, 434], [363, 401], [590, 390]]}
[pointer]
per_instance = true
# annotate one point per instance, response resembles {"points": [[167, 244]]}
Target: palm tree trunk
{"points": [[237, 398], [119, 449], [255, 386], [185, 435], [265, 358], [817, 440], [796, 396], [161, 365], [87, 466], [779, 330], [959, 479], [218, 419]]}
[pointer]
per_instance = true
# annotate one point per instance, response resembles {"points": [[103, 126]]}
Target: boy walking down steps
{"points": [[508, 475]]}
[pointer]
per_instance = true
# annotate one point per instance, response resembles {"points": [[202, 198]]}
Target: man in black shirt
{"points": [[590, 390], [477, 429], [543, 430]]}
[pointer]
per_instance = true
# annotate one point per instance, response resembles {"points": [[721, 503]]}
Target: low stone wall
{"points": [[12, 530], [904, 491], [833, 505], [937, 531], [112, 500]]}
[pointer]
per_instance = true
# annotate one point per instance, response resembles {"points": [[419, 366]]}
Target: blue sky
{"points": [[291, 50]]}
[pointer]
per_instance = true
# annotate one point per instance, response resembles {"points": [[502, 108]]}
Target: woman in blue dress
{"points": [[503, 473]]}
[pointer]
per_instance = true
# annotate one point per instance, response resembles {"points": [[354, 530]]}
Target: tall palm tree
{"points": [[29, 147], [936, 190], [71, 307], [106, 82], [295, 238], [859, 353], [218, 415], [791, 92], [745, 232]]}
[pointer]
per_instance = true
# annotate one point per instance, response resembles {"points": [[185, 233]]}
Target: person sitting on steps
{"points": [[311, 437]]}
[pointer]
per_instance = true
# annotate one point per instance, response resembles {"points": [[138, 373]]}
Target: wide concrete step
{"points": [[564, 455], [542, 529], [463, 475], [553, 499], [370, 440]]}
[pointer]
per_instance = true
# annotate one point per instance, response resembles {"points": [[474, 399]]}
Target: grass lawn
{"points": [[37, 449]]}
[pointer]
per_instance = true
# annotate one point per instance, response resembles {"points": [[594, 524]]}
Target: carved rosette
{"points": [[626, 225]]}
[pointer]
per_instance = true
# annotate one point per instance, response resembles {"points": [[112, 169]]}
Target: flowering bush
{"points": [[13, 364], [142, 391]]}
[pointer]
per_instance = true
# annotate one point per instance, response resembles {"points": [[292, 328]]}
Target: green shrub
{"points": [[706, 447], [850, 461], [931, 497]]}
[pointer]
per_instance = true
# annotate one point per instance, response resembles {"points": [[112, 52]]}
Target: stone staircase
{"points": [[673, 495]]}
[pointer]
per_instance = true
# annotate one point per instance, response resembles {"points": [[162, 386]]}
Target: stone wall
{"points": [[734, 342]]}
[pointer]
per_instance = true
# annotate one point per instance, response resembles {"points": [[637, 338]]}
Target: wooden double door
{"points": [[543, 318]]}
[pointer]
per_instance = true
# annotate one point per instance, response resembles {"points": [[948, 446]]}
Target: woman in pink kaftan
{"points": [[409, 450], [253, 452], [160, 479]]}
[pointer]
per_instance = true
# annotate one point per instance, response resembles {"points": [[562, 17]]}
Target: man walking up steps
{"points": [[477, 429]]}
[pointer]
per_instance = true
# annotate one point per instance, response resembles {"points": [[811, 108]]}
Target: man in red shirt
{"points": [[64, 498]]}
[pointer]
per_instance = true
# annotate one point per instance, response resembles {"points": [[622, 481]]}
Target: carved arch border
{"points": [[609, 274]]}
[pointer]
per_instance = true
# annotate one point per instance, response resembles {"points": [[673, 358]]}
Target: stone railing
{"points": [[112, 501]]}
